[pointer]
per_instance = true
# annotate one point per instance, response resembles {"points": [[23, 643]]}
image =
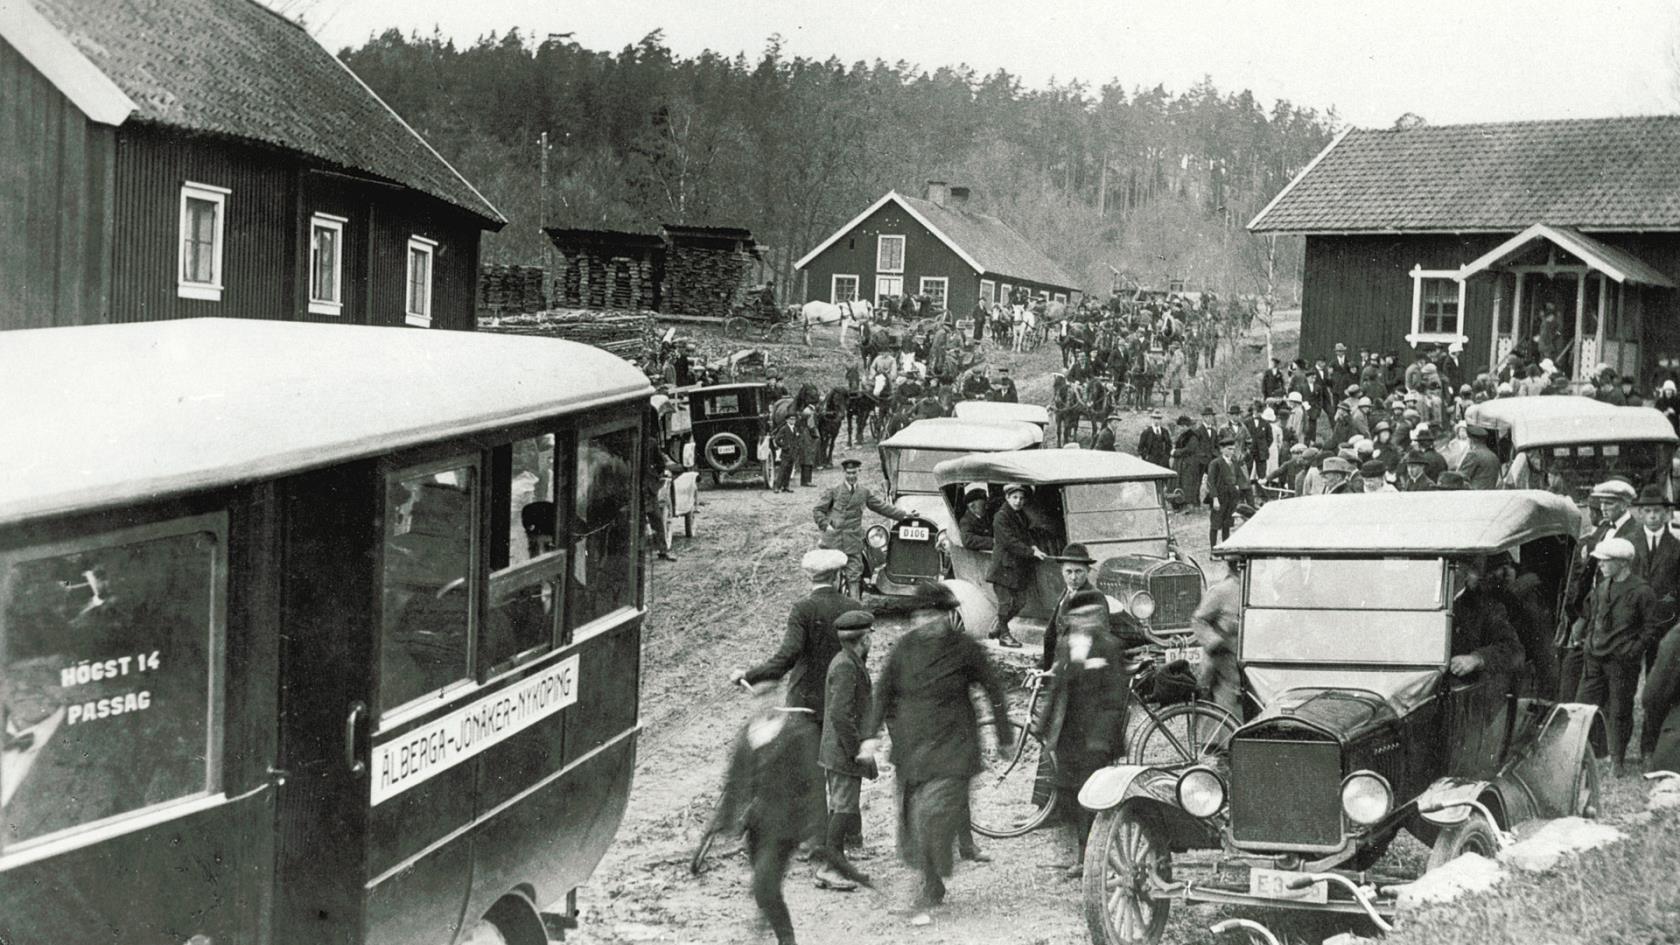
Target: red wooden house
{"points": [[935, 246], [210, 158], [1486, 235]]}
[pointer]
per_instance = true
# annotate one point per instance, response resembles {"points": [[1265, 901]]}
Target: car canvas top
{"points": [[1049, 467], [1548, 421], [1001, 410], [945, 433], [106, 415], [1404, 523]]}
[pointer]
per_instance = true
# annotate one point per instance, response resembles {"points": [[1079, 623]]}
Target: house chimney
{"points": [[958, 198], [936, 192]]}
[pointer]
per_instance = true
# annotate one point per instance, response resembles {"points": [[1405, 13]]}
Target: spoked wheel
{"points": [[1125, 852], [1587, 788], [1183, 735], [736, 327], [1016, 794], [1473, 835]]}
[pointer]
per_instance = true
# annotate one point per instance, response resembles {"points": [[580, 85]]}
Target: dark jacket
{"points": [[976, 532], [1271, 384], [1083, 713], [785, 443], [843, 711], [1481, 626], [808, 646], [1105, 440], [1661, 700], [1622, 618], [1227, 483], [1155, 446], [1660, 567], [1053, 627], [1013, 564], [923, 697], [1480, 467], [774, 788], [1195, 444]]}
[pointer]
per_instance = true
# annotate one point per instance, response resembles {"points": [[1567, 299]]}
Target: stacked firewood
{"points": [[626, 334], [704, 281], [587, 280], [503, 289]]}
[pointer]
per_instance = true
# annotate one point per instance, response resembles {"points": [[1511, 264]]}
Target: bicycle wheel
{"points": [[1016, 793], [1182, 735]]}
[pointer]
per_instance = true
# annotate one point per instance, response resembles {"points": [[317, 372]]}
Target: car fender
{"points": [[1154, 790], [1546, 755]]}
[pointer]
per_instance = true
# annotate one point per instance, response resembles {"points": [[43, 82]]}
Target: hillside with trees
{"points": [[1154, 183]]}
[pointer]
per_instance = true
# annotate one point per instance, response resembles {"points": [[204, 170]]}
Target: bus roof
{"points": [[1460, 522], [1001, 410], [101, 416], [946, 433], [1049, 467]]}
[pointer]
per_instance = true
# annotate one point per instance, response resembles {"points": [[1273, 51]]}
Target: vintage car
{"points": [[1035, 414], [730, 428], [1355, 727], [1566, 444], [1113, 503], [908, 553]]}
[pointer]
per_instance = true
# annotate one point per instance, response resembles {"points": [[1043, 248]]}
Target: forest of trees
{"points": [[1152, 183]]}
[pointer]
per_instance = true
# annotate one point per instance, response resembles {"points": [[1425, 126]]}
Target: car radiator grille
{"points": [[1286, 792], [1176, 597], [912, 562]]}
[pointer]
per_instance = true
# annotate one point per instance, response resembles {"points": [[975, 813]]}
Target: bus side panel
{"points": [[609, 681], [421, 904]]}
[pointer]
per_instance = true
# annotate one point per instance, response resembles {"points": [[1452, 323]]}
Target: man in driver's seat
{"points": [[1483, 639]]}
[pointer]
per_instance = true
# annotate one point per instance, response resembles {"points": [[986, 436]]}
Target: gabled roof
{"points": [[1594, 174], [1618, 264], [988, 245], [232, 67]]}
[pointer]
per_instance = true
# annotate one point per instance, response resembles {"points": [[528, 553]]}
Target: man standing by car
{"points": [[784, 447], [1076, 576], [809, 641], [1622, 619], [1657, 558], [1227, 486], [1613, 499], [1014, 561], [1155, 443], [839, 514]]}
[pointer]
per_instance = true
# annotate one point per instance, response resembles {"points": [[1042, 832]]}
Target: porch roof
{"points": [[1618, 264]]}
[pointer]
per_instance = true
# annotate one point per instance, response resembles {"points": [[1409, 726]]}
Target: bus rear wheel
{"points": [[511, 921]]}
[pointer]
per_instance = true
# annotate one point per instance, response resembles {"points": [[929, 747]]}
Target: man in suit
{"points": [[839, 514], [1272, 382], [1076, 576], [1154, 443], [1014, 561], [784, 444], [1613, 499], [975, 526], [1657, 560], [1195, 449], [1479, 465], [1258, 426], [809, 641], [1343, 373], [1228, 485], [1106, 436]]}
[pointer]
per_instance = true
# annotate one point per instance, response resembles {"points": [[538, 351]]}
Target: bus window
{"points": [[108, 682], [603, 531], [528, 565], [430, 525]]}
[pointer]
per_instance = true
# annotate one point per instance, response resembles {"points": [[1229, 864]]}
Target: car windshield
{"points": [[911, 470], [1098, 511], [1572, 469], [1346, 583]]}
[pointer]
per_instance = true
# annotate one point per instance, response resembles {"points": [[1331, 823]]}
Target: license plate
{"points": [[913, 533], [1274, 884], [724, 449], [1190, 654]]}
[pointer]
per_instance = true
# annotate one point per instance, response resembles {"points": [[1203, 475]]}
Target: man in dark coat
{"points": [[1613, 499], [1622, 619], [922, 696], [846, 703], [1414, 473], [1483, 640], [1662, 706], [1343, 372], [784, 444], [1106, 436], [809, 642], [1272, 382], [839, 515], [1194, 449], [1155, 443], [1076, 576], [975, 526], [1014, 561], [1479, 464], [1083, 715], [1228, 485], [1006, 387], [1657, 558]]}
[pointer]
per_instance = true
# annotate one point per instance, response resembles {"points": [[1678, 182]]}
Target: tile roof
{"points": [[1602, 173], [233, 67], [991, 242]]}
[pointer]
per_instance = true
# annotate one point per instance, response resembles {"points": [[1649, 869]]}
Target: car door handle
{"points": [[352, 726]]}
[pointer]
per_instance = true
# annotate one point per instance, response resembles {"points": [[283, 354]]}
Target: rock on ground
{"points": [[1551, 843], [1470, 873]]}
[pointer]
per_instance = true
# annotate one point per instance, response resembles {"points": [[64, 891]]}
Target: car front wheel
{"points": [[1474, 835], [1125, 851]]}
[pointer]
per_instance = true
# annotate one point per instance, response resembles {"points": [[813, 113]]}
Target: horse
{"points": [[808, 396], [830, 416], [853, 312]]}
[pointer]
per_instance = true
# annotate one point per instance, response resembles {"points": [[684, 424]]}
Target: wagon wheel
{"points": [[1126, 850], [771, 331], [1587, 788], [736, 327]]}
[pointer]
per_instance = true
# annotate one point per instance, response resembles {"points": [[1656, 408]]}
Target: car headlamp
{"points": [[1366, 797], [1143, 605], [877, 537], [1200, 792]]}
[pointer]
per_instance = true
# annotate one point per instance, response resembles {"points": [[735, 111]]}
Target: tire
{"points": [[736, 327], [1474, 835], [1588, 790], [1182, 735], [1124, 849], [688, 524], [769, 474], [1016, 794], [731, 462]]}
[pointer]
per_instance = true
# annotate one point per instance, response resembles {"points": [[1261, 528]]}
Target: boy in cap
{"points": [[846, 702], [1622, 619], [1227, 485], [1014, 561]]}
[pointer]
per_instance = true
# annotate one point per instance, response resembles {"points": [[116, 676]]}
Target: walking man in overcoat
{"points": [[845, 704], [809, 641], [839, 514], [1014, 561]]}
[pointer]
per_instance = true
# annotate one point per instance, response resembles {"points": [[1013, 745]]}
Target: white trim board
{"points": [[893, 196], [57, 58]]}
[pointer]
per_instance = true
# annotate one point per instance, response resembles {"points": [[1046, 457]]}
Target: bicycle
{"points": [[1016, 794]]}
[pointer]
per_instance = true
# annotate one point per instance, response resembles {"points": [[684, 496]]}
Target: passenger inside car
{"points": [[1483, 639], [975, 526]]}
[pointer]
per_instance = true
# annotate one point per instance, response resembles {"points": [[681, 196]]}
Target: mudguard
{"points": [[1152, 789], [1545, 759], [1109, 786]]}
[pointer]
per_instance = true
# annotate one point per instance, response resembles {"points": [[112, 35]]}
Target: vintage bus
{"points": [[313, 633]]}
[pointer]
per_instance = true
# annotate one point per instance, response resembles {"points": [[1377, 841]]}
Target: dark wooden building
{"points": [[934, 245], [209, 158], [1484, 236]]}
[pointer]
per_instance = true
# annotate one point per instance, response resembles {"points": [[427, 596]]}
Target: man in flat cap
{"points": [[1227, 485], [1622, 619], [1479, 465], [839, 514], [846, 702], [1015, 560], [922, 695], [1611, 502], [809, 642]]}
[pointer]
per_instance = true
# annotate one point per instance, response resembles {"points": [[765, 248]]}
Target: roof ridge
{"points": [[1524, 123]]}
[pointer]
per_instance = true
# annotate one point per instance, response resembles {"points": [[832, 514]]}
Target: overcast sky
{"points": [[1447, 60]]}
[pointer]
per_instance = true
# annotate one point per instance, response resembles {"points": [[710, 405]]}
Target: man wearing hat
{"points": [[1414, 473], [1343, 373], [839, 515], [1612, 501], [809, 641], [1375, 476], [1257, 434], [1425, 437], [1479, 466], [1194, 449], [1483, 639], [1622, 619], [1336, 471], [922, 694], [1106, 436], [1005, 387], [1014, 561], [1272, 382], [1228, 484], [975, 526], [1076, 564], [1155, 443], [846, 700], [1657, 559]]}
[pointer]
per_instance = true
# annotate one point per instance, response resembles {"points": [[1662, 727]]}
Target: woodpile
{"points": [[630, 335], [591, 280], [509, 289], [701, 280]]}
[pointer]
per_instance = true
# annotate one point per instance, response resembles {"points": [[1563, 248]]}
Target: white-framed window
{"points": [[419, 306], [886, 286], [1003, 293], [326, 264], [1437, 307], [988, 290], [198, 274], [1060, 297], [934, 287], [889, 254], [842, 289]]}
